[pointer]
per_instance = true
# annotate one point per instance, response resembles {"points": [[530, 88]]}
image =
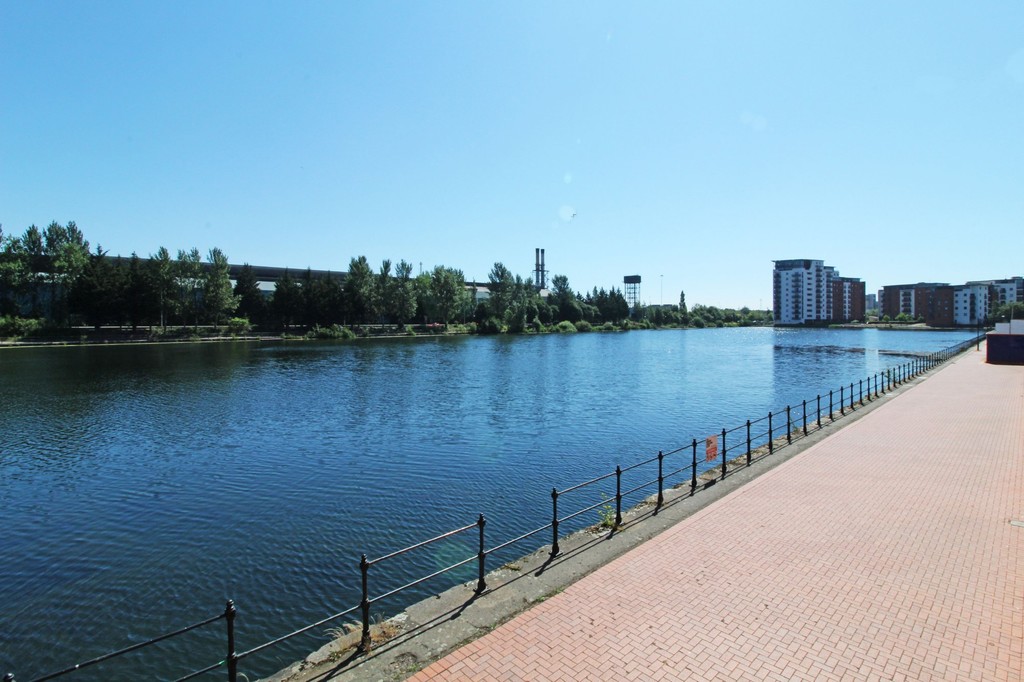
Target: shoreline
{"points": [[127, 338]]}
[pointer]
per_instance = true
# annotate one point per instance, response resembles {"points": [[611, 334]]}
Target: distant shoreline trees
{"points": [[51, 277]]}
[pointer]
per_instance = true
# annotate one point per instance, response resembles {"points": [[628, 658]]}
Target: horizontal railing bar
{"points": [[300, 631], [423, 544], [592, 507], [209, 668], [133, 647], [638, 464], [639, 487], [424, 579], [518, 539], [582, 485], [677, 450], [677, 471]]}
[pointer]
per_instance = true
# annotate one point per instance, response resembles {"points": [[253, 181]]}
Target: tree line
{"points": [[52, 274]]}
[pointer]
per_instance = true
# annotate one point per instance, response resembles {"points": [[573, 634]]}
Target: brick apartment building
{"points": [[946, 305]]}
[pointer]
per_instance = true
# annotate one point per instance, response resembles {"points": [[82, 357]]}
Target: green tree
{"points": [[1008, 311], [98, 294], [565, 300], [521, 310], [140, 304], [188, 277], [163, 279], [218, 298], [252, 305], [358, 290], [288, 301], [383, 294], [36, 262], [448, 288], [425, 308], [13, 273], [500, 284], [404, 293], [68, 253], [323, 299]]}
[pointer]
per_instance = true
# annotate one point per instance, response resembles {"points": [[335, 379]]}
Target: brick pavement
{"points": [[885, 552]]}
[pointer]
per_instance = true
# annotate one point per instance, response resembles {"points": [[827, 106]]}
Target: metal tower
{"points": [[632, 286]]}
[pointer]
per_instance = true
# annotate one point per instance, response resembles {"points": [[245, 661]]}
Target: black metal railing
{"points": [[748, 442]]}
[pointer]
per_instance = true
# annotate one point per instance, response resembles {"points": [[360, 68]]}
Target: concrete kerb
{"points": [[432, 628]]}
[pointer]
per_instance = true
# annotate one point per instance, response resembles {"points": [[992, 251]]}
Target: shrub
{"points": [[565, 327], [607, 327], [409, 331], [490, 325], [239, 325], [584, 326], [19, 326], [335, 331]]}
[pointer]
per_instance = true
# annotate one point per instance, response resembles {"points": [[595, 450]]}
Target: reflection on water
{"points": [[142, 486]]}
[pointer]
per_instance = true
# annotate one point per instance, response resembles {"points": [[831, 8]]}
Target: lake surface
{"points": [[142, 486]]}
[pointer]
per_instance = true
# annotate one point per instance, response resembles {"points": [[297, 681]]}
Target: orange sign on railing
{"points": [[712, 448]]}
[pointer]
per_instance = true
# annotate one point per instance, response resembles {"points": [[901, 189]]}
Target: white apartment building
{"points": [[802, 291], [1006, 291], [970, 303]]}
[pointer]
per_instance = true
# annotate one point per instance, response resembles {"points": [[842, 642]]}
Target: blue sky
{"points": [[695, 141]]}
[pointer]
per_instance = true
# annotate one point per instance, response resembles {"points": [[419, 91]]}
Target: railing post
{"points": [[883, 382], [771, 440], [748, 442], [693, 479], [618, 496], [831, 413], [661, 480], [851, 396], [842, 401], [232, 659], [819, 410], [860, 390], [805, 417], [789, 433], [364, 605], [554, 522], [723, 453], [481, 584]]}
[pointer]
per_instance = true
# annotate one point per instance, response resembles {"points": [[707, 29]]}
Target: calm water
{"points": [[140, 487]]}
